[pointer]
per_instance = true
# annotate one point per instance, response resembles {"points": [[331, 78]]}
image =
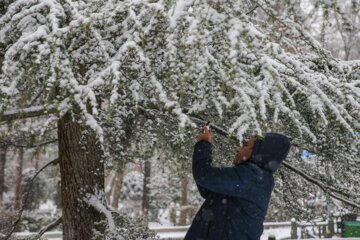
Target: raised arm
{"points": [[232, 181]]}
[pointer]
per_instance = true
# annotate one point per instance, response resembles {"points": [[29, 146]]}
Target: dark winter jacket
{"points": [[237, 197]]}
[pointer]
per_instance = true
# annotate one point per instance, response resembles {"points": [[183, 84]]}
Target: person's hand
{"points": [[205, 136]]}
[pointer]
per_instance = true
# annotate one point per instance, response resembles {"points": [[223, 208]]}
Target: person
{"points": [[236, 198]]}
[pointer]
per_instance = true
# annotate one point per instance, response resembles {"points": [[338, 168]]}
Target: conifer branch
{"points": [[328, 189], [304, 37]]}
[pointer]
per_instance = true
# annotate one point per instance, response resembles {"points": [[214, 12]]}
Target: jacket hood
{"points": [[270, 152]]}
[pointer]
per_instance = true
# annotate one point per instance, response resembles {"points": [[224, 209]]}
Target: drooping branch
{"points": [[328, 189], [156, 112], [27, 192], [311, 179], [347, 201], [303, 36]]}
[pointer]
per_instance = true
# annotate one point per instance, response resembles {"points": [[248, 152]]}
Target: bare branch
{"points": [[27, 192], [34, 146]]}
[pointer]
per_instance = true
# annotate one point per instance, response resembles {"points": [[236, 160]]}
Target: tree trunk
{"points": [[2, 171], [36, 198], [58, 195], [82, 175], [183, 203], [184, 184], [119, 177], [145, 199], [18, 177], [109, 183]]}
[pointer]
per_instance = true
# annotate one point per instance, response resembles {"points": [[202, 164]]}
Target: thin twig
{"points": [[27, 192], [36, 97]]}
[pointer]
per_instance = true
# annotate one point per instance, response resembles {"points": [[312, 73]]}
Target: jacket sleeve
{"points": [[204, 146], [232, 181]]}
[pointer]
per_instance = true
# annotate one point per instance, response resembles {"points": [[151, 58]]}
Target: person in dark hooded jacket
{"points": [[236, 198]]}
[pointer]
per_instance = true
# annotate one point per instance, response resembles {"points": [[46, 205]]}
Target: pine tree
{"points": [[78, 63]]}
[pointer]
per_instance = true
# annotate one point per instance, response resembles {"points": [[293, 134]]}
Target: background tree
{"points": [[339, 29], [327, 22], [3, 150]]}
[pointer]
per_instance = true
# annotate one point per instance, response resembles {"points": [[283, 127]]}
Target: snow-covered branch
{"points": [[99, 206], [35, 111], [305, 36], [328, 189], [100, 59]]}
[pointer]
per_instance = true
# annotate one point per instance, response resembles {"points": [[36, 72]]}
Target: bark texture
{"points": [[36, 199], [113, 185], [119, 177], [184, 184], [2, 171], [18, 178], [109, 186], [183, 211], [82, 173], [146, 191]]}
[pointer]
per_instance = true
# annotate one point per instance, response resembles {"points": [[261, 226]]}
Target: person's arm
{"points": [[232, 181], [205, 146]]}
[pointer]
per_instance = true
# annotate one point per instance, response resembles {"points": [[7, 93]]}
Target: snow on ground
{"points": [[53, 235], [279, 233], [178, 233], [172, 235]]}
